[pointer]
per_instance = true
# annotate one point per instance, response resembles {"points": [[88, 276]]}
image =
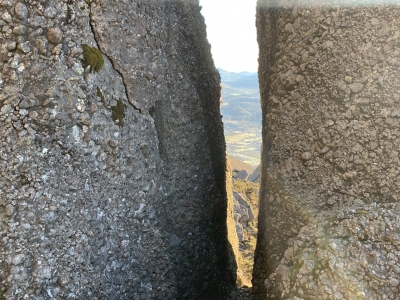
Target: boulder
{"points": [[255, 176], [241, 175]]}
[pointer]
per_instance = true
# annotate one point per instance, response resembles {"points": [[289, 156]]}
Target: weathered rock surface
{"points": [[350, 254], [231, 224], [329, 76], [243, 213], [112, 183]]}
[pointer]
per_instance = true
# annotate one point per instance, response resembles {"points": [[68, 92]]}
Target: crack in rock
{"points": [[111, 60]]}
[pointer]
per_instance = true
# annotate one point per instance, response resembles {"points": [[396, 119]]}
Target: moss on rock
{"points": [[92, 57], [118, 113]]}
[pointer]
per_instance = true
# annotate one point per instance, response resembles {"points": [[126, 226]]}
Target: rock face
{"points": [[243, 214], [255, 176], [329, 77], [113, 176], [241, 175], [243, 204], [353, 254]]}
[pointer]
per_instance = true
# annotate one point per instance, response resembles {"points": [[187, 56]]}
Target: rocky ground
{"points": [[245, 197], [243, 293]]}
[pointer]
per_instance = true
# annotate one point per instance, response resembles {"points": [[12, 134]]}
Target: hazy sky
{"points": [[231, 32]]}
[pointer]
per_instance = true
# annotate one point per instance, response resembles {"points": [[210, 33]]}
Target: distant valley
{"points": [[241, 113]]}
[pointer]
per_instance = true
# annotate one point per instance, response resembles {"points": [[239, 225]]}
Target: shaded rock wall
{"points": [[329, 78], [112, 183]]}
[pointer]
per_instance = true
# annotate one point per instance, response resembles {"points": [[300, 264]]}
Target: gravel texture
{"points": [[92, 207], [350, 254], [329, 77]]}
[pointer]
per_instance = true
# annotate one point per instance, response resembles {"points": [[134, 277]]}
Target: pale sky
{"points": [[231, 32]]}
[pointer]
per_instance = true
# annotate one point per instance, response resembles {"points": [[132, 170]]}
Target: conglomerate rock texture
{"points": [[329, 75], [112, 183]]}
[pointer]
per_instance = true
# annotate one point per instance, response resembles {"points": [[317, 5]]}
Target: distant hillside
{"points": [[239, 165], [245, 80], [241, 113], [251, 82], [233, 76]]}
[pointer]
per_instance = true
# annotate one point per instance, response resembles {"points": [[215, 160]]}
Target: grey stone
{"points": [[21, 11], [174, 240], [11, 46], [50, 12], [239, 232], [20, 30], [255, 176], [241, 175], [6, 17], [18, 259], [28, 102], [306, 156], [54, 36], [9, 210], [24, 47], [42, 45], [356, 87]]}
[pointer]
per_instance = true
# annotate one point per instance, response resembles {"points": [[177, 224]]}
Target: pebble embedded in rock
{"points": [[57, 49], [62, 281], [356, 87], [27, 103], [50, 12], [19, 30], [18, 259], [11, 46], [6, 17], [174, 240], [24, 47], [306, 156], [42, 45], [54, 35], [9, 210], [21, 11], [113, 143]]}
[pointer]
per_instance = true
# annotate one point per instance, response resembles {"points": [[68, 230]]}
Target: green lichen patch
{"points": [[118, 113], [92, 57]]}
